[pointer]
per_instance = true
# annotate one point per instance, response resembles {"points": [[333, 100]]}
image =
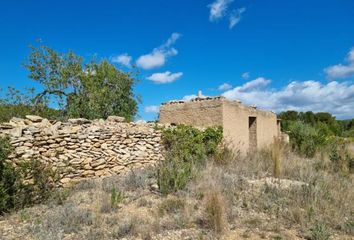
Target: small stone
{"points": [[28, 144], [65, 180], [98, 162], [34, 118], [115, 119], [79, 121]]}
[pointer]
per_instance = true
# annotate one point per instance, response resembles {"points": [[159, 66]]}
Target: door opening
{"points": [[252, 129]]}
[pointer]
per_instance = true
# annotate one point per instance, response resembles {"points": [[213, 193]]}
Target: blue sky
{"points": [[276, 54]]}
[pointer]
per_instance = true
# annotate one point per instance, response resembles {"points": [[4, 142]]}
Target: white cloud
{"points": [[258, 83], [218, 9], [165, 77], [245, 75], [334, 97], [224, 87], [189, 97], [340, 70], [158, 56], [235, 17], [123, 59], [152, 109]]}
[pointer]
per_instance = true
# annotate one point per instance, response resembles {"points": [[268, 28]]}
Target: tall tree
{"points": [[90, 90]]}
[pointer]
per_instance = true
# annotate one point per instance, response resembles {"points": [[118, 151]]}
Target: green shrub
{"points": [[187, 149], [340, 156], [116, 197], [27, 183], [305, 139], [38, 181], [8, 178]]}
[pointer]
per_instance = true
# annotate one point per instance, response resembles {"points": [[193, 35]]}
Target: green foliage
{"points": [[28, 183], [19, 104], [37, 181], [116, 197], [320, 120], [89, 90], [187, 149], [320, 232], [340, 157], [8, 178], [105, 91], [305, 139]]}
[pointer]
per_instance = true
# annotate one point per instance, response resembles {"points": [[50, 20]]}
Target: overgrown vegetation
{"points": [[187, 149], [237, 200], [28, 183], [317, 133]]}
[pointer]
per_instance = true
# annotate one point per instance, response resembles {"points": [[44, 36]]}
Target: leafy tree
{"points": [[20, 104], [89, 90]]}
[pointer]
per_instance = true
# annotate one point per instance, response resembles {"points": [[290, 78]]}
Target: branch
{"points": [[39, 96]]}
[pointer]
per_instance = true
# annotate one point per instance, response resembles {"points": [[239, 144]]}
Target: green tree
{"points": [[19, 104], [88, 90]]}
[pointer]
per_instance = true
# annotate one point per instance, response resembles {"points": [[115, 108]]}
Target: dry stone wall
{"points": [[80, 148]]}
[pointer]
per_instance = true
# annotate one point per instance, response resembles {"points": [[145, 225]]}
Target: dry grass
{"points": [[237, 199], [277, 153], [215, 211]]}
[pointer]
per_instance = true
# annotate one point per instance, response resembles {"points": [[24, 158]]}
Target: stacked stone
{"points": [[80, 148]]}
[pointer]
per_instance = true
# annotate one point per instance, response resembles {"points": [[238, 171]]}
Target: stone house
{"points": [[245, 127]]}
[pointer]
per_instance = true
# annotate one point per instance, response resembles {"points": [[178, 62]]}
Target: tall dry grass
{"points": [[277, 149]]}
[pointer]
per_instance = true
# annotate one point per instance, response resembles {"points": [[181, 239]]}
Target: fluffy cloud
{"points": [[235, 17], [218, 9], [258, 83], [165, 77], [152, 109], [334, 97], [245, 75], [224, 87], [158, 56], [123, 59], [340, 70]]}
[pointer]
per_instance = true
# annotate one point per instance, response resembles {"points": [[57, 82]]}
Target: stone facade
{"points": [[245, 127], [80, 148]]}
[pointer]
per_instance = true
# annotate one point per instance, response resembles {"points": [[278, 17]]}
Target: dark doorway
{"points": [[252, 129]]}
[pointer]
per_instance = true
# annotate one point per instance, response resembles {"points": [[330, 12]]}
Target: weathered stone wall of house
{"points": [[203, 113], [237, 130], [80, 148]]}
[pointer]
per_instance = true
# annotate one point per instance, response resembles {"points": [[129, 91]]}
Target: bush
{"points": [[305, 139], [28, 183], [340, 157], [8, 178], [187, 149], [116, 197], [37, 182]]}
